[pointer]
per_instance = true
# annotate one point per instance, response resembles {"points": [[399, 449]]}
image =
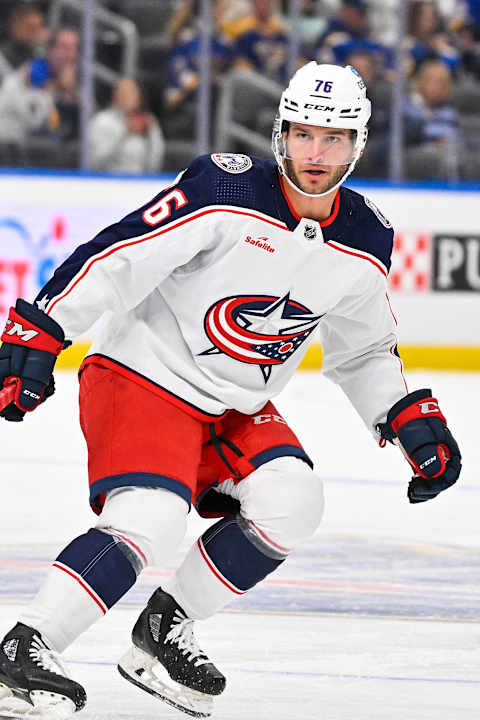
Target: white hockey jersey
{"points": [[212, 292]]}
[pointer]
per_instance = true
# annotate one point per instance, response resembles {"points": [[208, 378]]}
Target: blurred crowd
{"points": [[147, 123]]}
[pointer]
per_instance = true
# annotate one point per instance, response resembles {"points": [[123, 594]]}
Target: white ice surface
{"points": [[375, 619]]}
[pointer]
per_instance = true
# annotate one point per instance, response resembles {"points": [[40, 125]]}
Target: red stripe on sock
{"points": [[268, 540], [215, 571], [129, 542], [103, 608]]}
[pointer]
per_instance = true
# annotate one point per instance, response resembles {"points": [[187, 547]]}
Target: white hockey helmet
{"points": [[326, 96]]}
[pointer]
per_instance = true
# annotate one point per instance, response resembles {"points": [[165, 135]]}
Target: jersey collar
{"points": [[292, 218]]}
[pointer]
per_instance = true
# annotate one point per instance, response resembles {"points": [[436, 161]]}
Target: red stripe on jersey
{"points": [[363, 257], [215, 571], [102, 607], [390, 306], [335, 211], [157, 234]]}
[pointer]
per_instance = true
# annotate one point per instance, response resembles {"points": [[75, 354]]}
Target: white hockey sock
{"points": [[94, 571], [281, 505], [197, 589], [62, 610]]}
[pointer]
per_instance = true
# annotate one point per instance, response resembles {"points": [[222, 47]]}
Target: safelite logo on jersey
{"points": [[260, 242]]}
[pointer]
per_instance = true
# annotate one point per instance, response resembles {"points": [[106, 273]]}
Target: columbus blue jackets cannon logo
{"points": [[261, 330]]}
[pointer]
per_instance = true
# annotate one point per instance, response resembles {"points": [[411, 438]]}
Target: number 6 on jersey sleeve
{"points": [[162, 209]]}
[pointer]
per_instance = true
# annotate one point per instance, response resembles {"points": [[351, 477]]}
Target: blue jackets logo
{"points": [[259, 330]]}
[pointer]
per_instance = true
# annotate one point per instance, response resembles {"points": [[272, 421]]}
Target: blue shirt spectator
{"points": [[262, 42], [348, 33], [182, 76], [427, 38], [429, 114]]}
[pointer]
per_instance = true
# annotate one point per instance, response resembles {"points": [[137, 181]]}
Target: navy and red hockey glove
{"points": [[418, 426], [31, 342]]}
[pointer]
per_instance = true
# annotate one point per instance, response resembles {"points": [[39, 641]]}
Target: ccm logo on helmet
{"points": [[311, 106], [17, 329], [428, 407]]}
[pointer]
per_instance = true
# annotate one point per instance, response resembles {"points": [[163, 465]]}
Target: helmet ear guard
{"points": [[327, 96]]}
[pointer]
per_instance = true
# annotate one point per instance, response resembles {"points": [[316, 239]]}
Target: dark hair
{"points": [[23, 11], [414, 11]]}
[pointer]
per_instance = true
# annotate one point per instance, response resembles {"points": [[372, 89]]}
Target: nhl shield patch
{"points": [[232, 162]]}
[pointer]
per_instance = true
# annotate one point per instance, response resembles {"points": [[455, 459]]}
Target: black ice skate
{"points": [[166, 661], [33, 681]]}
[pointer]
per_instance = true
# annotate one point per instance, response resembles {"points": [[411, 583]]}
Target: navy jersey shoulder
{"points": [[362, 226], [231, 179]]}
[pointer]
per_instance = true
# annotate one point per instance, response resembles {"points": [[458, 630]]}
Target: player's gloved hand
{"points": [[31, 342], [416, 424]]}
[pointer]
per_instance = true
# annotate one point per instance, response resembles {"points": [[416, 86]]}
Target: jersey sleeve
{"points": [[360, 351], [123, 264]]}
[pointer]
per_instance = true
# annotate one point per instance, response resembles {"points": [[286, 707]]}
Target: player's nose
{"points": [[317, 152]]}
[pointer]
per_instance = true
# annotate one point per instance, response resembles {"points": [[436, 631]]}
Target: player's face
{"points": [[316, 158]]}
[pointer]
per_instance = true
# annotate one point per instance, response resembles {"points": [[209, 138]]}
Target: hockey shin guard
{"points": [[89, 576], [227, 560]]}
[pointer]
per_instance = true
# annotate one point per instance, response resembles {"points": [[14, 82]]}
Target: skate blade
{"points": [[148, 674], [42, 705]]}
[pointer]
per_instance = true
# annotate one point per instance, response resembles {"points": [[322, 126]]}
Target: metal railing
{"points": [[125, 28], [227, 127]]}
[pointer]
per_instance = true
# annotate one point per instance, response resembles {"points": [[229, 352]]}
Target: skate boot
{"points": [[33, 681], [166, 661]]}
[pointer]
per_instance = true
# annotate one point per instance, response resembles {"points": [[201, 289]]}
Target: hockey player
{"points": [[210, 294]]}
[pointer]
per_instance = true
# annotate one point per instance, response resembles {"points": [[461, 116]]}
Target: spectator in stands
{"points": [[126, 137], [182, 74], [311, 22], [40, 99], [27, 35], [427, 38], [368, 65], [58, 72], [349, 32], [379, 89], [262, 42], [467, 42], [228, 13], [431, 122]]}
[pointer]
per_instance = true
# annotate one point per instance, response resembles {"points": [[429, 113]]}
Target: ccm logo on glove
{"points": [[428, 407], [17, 329], [31, 342], [418, 426]]}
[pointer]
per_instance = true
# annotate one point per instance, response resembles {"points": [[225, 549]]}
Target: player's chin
{"points": [[317, 181]]}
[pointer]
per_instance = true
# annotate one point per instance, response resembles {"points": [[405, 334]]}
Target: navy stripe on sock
{"points": [[99, 559], [234, 555]]}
